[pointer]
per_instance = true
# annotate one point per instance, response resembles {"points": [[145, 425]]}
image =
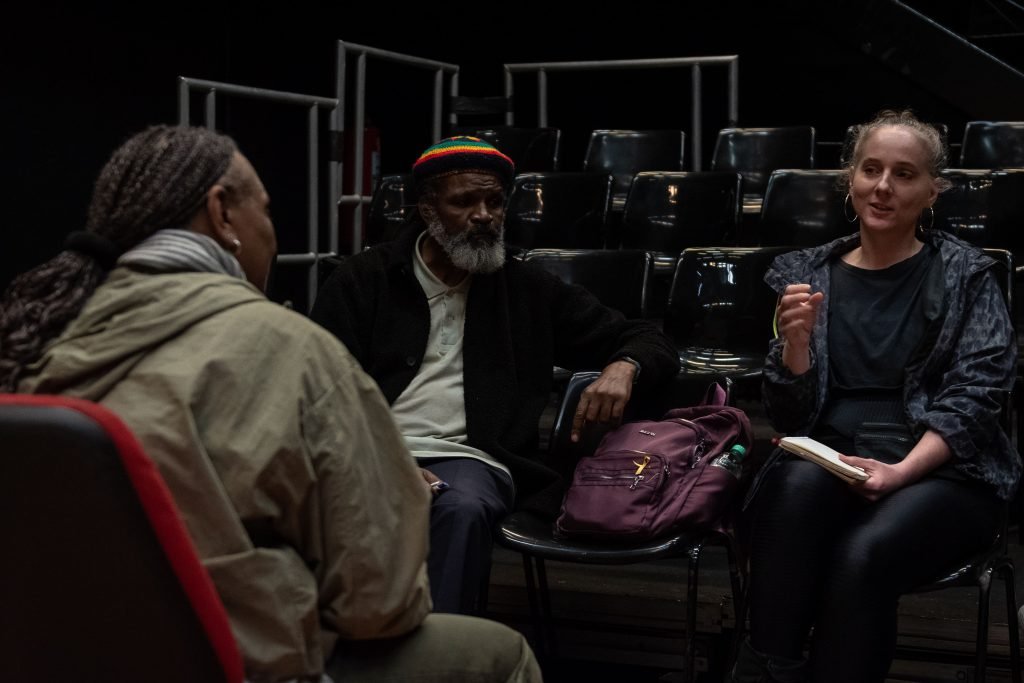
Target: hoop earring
{"points": [[846, 214], [931, 223]]}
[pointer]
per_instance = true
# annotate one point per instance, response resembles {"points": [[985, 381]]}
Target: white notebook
{"points": [[818, 453]]}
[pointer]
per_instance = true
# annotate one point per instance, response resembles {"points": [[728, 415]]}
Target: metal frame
{"points": [[336, 127], [338, 119], [313, 103], [336, 124], [695, 64]]}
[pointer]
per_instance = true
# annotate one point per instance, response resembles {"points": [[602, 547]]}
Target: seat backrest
{"points": [[624, 153], [393, 200], [619, 279], [803, 208], [755, 152], [719, 299], [993, 144], [963, 208], [100, 580], [558, 210], [672, 211], [532, 150], [983, 207]]}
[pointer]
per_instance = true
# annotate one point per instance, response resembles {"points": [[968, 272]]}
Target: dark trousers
{"points": [[822, 556], [462, 520]]}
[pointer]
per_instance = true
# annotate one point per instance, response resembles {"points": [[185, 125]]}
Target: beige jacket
{"points": [[280, 452]]}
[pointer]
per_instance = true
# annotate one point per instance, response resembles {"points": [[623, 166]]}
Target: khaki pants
{"points": [[445, 648]]}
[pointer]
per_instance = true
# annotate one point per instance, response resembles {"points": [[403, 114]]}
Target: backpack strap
{"points": [[715, 395]]}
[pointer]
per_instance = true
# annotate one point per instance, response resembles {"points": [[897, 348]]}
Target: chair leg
{"points": [[984, 588], [739, 600], [485, 592], [692, 579], [545, 603], [531, 597], [1011, 620]]}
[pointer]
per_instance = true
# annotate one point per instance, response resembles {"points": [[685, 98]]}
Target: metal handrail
{"points": [[338, 122], [694, 63], [314, 103]]}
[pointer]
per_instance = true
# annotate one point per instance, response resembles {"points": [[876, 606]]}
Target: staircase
{"points": [[969, 53]]}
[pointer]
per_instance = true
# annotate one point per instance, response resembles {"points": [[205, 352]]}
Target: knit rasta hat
{"points": [[459, 155]]}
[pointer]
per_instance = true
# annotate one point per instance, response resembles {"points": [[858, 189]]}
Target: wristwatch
{"points": [[636, 366]]}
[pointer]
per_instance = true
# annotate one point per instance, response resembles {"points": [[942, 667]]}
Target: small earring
{"points": [[846, 214], [931, 223], [236, 246]]}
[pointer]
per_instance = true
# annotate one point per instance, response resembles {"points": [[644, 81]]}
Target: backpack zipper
{"points": [[698, 450]]}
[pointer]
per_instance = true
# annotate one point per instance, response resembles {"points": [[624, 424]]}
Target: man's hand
{"points": [[434, 482], [606, 397]]}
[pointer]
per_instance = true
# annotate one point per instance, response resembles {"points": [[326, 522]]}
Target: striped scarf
{"points": [[176, 251]]}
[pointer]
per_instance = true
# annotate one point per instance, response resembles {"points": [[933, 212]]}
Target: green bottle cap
{"points": [[739, 450]]}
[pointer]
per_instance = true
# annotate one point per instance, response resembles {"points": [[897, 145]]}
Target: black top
{"points": [[877, 320], [970, 349]]}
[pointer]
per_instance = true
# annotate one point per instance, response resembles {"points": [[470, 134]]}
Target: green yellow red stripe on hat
{"points": [[463, 154]]}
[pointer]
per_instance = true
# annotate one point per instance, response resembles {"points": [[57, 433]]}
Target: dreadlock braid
{"points": [[156, 180]]}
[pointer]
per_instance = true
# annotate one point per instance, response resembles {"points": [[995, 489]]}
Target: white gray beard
{"points": [[463, 254]]}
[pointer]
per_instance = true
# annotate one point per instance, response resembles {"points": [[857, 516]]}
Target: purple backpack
{"points": [[651, 478]]}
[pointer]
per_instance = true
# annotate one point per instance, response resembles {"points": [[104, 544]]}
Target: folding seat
{"points": [[531, 149], [533, 537], [558, 210], [993, 144], [668, 212], [755, 153], [720, 310], [983, 207], [619, 279], [803, 209], [624, 153], [978, 572], [394, 198], [101, 581]]}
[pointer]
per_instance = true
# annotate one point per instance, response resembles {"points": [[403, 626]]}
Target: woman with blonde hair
{"points": [[896, 349]]}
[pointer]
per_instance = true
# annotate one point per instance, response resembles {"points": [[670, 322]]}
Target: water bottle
{"points": [[732, 462]]}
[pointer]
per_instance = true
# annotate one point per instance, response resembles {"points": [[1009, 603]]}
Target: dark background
{"points": [[78, 80]]}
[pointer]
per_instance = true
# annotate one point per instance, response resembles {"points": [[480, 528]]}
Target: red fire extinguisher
{"points": [[371, 174]]}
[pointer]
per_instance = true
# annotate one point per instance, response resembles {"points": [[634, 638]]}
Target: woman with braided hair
{"points": [[271, 439], [157, 180]]}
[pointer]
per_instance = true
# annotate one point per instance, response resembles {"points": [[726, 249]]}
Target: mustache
{"points": [[492, 232]]}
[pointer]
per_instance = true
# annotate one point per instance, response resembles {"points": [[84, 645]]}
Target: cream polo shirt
{"points": [[431, 412]]}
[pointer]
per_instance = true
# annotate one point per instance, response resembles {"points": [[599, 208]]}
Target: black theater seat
{"points": [[558, 210]]}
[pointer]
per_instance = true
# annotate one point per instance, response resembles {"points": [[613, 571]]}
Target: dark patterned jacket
{"points": [[954, 385], [520, 322]]}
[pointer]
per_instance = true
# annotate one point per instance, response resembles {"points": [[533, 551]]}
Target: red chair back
{"points": [[100, 580]]}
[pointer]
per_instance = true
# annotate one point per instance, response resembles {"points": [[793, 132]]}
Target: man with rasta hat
{"points": [[462, 344]]}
